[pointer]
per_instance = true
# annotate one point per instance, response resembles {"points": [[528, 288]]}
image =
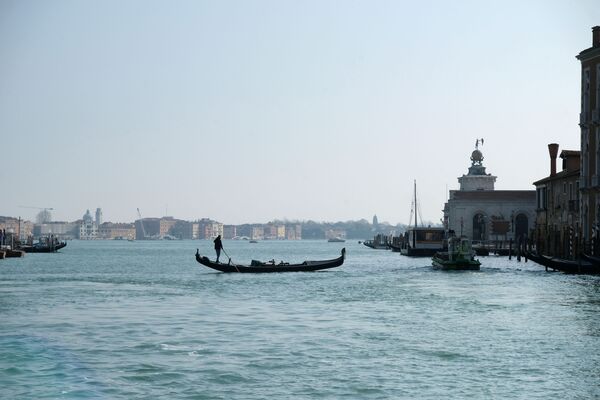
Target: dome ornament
{"points": [[477, 155]]}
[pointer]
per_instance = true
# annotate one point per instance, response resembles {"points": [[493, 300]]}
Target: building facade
{"points": [[481, 213], [557, 228], [88, 229], [589, 123], [109, 230]]}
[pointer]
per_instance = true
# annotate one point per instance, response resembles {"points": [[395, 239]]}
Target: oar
{"points": [[229, 263]]}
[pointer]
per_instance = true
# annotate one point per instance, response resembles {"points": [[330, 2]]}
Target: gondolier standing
{"points": [[218, 246]]}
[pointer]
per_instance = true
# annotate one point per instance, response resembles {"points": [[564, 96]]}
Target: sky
{"points": [[250, 111]]}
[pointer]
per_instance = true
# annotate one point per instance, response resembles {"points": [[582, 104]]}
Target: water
{"points": [[126, 320]]}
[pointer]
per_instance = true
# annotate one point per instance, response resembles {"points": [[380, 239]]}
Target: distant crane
{"points": [[141, 224], [38, 208]]}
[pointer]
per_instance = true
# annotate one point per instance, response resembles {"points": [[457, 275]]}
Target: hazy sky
{"points": [[248, 111]]}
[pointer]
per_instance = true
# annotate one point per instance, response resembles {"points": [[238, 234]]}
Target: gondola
{"points": [[262, 267], [581, 266]]}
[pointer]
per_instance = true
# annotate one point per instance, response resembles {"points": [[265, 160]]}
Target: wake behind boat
{"points": [[261, 267]]}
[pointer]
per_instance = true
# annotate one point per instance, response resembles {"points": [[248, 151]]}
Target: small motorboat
{"points": [[460, 255]]}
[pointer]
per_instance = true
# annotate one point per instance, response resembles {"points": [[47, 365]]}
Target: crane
{"points": [[141, 224], [39, 208]]}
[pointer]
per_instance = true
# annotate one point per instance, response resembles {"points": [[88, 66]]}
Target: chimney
{"points": [[553, 149], [596, 36]]}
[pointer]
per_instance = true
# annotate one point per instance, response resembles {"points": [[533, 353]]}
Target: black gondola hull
{"points": [[267, 268], [581, 266]]}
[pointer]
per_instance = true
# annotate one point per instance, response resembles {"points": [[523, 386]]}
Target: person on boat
{"points": [[218, 246]]}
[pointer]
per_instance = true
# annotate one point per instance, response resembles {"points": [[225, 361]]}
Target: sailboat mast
{"points": [[416, 207]]}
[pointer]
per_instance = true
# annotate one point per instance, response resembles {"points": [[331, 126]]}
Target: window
{"points": [[585, 91], [570, 191]]}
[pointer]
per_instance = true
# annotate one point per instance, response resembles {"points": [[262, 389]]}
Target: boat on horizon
{"points": [[336, 240], [379, 242]]}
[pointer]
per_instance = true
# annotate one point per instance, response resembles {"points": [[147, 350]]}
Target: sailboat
{"points": [[421, 241]]}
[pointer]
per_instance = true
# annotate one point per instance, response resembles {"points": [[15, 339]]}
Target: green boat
{"points": [[460, 256]]}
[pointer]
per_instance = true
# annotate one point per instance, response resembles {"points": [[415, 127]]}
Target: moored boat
{"points": [[43, 247], [460, 256], [379, 242], [263, 267], [585, 265], [423, 241], [420, 241]]}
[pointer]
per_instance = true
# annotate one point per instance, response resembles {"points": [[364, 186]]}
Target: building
{"points": [[61, 230], [589, 122], [557, 202], [88, 230], [209, 229], [18, 227], [147, 228], [229, 231], [109, 230], [482, 213], [258, 233], [166, 224]]}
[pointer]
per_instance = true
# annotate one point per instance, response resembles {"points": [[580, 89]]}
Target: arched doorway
{"points": [[521, 226], [478, 227]]}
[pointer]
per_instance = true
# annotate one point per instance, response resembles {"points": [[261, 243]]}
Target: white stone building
{"points": [[482, 213]]}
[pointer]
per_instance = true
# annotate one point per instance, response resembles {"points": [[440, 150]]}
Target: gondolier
{"points": [[218, 246]]}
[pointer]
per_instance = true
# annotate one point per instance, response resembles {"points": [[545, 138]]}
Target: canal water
{"points": [[127, 320]]}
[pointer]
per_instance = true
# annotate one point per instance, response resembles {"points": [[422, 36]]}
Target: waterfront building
{"points": [[229, 231], [109, 230], [482, 213], [258, 233], [589, 123], [210, 229], [280, 232], [166, 224], [16, 226], [88, 230], [60, 230], [557, 203], [147, 228]]}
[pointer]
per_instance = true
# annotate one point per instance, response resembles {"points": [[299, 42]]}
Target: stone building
{"points": [[589, 122], [557, 202], [109, 230], [88, 229], [482, 213]]}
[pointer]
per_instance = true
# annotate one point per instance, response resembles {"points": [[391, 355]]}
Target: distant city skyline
{"points": [[253, 111]]}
